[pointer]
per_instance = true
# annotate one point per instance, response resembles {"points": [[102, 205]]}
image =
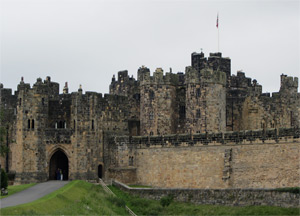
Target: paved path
{"points": [[32, 193]]}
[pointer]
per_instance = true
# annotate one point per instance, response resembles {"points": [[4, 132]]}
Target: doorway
{"points": [[59, 161], [100, 171]]}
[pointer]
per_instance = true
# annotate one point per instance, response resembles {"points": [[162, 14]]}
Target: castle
{"points": [[204, 128]]}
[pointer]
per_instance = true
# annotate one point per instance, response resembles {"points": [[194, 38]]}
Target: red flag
{"points": [[217, 21]]}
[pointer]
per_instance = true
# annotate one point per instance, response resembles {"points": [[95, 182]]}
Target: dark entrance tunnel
{"points": [[59, 161], [100, 171]]}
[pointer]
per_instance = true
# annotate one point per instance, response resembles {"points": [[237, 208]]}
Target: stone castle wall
{"points": [[242, 160], [230, 197], [206, 98]]}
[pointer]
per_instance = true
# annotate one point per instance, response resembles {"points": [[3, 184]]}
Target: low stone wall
{"points": [[230, 197]]}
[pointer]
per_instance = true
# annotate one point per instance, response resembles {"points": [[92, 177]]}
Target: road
{"points": [[32, 193]]}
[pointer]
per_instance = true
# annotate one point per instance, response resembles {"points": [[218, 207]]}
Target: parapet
{"points": [[227, 138], [158, 77], [288, 83], [122, 75], [217, 54], [143, 73], [46, 87]]}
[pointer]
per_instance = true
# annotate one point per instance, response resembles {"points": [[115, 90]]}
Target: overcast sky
{"points": [[87, 41]]}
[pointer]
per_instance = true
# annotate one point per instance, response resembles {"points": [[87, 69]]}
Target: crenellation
{"points": [[202, 128]]}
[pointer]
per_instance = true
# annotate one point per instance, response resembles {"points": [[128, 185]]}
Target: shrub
{"points": [[117, 201], [4, 183], [166, 200], [140, 202], [295, 190], [11, 176]]}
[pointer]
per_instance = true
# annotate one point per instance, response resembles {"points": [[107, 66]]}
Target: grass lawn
{"points": [[153, 207], [17, 188], [75, 198]]}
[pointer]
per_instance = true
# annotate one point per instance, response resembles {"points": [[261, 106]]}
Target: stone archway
{"points": [[59, 160]]}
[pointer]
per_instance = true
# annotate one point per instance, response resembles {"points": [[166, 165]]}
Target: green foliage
{"points": [[142, 206], [4, 182], [75, 198], [117, 201], [295, 190], [11, 176], [166, 200]]}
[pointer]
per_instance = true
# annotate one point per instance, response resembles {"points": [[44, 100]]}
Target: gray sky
{"points": [[87, 41]]}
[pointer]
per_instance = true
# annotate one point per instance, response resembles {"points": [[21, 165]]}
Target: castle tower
{"points": [[215, 61], [157, 103], [32, 119], [205, 100]]}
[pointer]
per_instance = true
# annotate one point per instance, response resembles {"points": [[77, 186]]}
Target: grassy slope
{"points": [[152, 207], [76, 198], [17, 188]]}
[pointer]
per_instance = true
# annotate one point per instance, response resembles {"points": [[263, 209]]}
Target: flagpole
{"points": [[218, 41], [218, 32]]}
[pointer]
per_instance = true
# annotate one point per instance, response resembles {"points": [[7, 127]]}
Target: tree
{"points": [[4, 182]]}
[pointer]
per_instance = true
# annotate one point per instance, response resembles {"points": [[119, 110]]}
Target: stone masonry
{"points": [[205, 128]]}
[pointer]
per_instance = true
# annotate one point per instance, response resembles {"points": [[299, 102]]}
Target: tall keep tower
{"points": [[205, 95]]}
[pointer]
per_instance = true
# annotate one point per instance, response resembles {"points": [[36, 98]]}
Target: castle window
{"points": [[136, 96], [130, 161], [182, 112], [74, 124], [198, 92], [198, 114], [28, 123], [151, 116], [151, 95], [92, 124], [292, 122], [151, 133], [43, 101], [32, 124], [20, 101], [65, 124]]}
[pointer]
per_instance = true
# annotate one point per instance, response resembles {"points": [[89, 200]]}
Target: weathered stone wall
{"points": [[129, 87], [158, 95], [205, 101], [231, 197], [259, 159], [248, 109]]}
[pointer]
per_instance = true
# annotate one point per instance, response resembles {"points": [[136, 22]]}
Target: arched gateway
{"points": [[59, 160]]}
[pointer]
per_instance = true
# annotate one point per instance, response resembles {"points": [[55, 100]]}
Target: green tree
{"points": [[4, 182]]}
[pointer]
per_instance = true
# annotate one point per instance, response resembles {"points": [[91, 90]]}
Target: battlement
{"points": [[227, 138], [206, 75], [40, 87], [215, 61], [159, 78], [288, 84]]}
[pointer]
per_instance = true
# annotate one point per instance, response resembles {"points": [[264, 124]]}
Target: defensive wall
{"points": [[247, 159], [231, 197]]}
